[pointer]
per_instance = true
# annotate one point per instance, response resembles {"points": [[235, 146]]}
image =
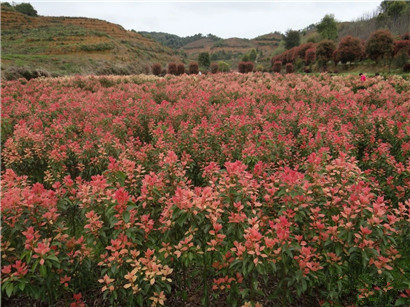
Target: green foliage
{"points": [[213, 37], [223, 66], [245, 58], [280, 49], [252, 55], [314, 38], [327, 28], [393, 8], [292, 39], [96, 47], [26, 9], [175, 41], [204, 60], [219, 43]]}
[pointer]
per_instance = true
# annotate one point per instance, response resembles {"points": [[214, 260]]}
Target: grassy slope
{"points": [[63, 45], [230, 50], [233, 49]]}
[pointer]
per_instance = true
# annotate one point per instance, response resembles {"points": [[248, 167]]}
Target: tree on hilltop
{"points": [[327, 28], [292, 39], [393, 8], [26, 9]]}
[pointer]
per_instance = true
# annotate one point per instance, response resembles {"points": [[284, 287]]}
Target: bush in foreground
{"points": [[232, 188]]}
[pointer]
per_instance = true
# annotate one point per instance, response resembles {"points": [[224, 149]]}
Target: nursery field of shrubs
{"points": [[215, 190]]}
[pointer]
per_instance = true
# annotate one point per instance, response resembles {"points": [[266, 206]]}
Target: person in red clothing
{"points": [[362, 77]]}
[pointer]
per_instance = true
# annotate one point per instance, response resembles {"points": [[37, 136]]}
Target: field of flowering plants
{"points": [[215, 190]]}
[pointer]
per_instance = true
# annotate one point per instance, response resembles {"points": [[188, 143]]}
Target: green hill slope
{"points": [[65, 45]]}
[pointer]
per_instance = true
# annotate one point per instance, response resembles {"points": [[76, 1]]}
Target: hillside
{"points": [[67, 45], [230, 50]]}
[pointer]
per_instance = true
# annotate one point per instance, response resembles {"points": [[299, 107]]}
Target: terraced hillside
{"points": [[67, 45], [230, 50]]}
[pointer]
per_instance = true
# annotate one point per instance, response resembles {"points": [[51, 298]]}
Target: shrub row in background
{"points": [[379, 46]]}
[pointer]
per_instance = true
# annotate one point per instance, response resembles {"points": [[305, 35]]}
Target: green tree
{"points": [[327, 28], [252, 55], [292, 39], [245, 58], [393, 8], [26, 9], [204, 60], [223, 66]]}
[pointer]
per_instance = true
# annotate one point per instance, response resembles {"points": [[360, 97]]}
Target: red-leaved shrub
{"points": [[401, 46], [129, 191], [245, 67], [350, 49], [380, 45], [180, 69], [289, 68], [310, 56], [172, 68], [214, 68], [156, 69], [193, 68], [277, 66]]}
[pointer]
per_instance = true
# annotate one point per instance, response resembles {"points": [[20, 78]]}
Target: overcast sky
{"points": [[245, 19]]}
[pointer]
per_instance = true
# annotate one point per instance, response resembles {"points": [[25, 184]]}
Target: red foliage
{"points": [[379, 45], [193, 68], [302, 49], [128, 181], [180, 69], [156, 69], [350, 49], [289, 68], [214, 68], [335, 57], [249, 67], [277, 66], [324, 50], [291, 55], [245, 67], [172, 68], [401, 46], [310, 56]]}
